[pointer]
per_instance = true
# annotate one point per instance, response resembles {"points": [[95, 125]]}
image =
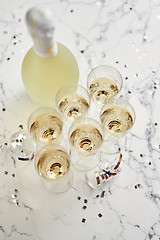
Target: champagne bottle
{"points": [[48, 65]]}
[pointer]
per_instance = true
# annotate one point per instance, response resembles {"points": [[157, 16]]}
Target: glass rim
{"points": [[83, 121], [107, 66], [115, 102], [71, 85], [45, 148], [41, 109]]}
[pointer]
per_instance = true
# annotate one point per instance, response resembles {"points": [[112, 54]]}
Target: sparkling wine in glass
{"points": [[86, 137], [117, 117], [73, 101], [52, 163], [104, 82], [45, 125]]}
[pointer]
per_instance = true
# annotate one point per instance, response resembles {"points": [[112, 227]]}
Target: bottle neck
{"points": [[40, 23], [49, 52]]}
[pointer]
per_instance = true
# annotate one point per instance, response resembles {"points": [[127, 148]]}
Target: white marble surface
{"points": [[124, 34]]}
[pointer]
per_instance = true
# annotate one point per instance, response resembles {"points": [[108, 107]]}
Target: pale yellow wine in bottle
{"points": [[48, 65]]}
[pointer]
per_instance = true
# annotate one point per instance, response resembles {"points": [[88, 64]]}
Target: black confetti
{"points": [[14, 196], [137, 225], [15, 201], [100, 215], [102, 194], [84, 207], [21, 126], [138, 186]]}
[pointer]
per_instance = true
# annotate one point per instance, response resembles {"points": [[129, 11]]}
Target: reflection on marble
{"points": [[124, 34]]}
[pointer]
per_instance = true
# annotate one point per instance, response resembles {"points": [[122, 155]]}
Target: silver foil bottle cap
{"points": [[41, 26]]}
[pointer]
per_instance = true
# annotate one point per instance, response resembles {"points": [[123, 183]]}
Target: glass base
{"points": [[112, 146], [84, 162], [60, 185], [103, 173]]}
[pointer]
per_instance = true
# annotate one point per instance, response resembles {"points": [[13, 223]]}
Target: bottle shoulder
{"points": [[62, 51]]}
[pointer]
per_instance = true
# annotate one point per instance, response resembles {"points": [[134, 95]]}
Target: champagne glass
{"points": [[52, 163], [118, 117], [21, 149], [45, 126], [22, 146], [73, 101], [86, 137], [104, 82]]}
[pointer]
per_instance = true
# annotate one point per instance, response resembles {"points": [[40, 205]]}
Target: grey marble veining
{"points": [[124, 34]]}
